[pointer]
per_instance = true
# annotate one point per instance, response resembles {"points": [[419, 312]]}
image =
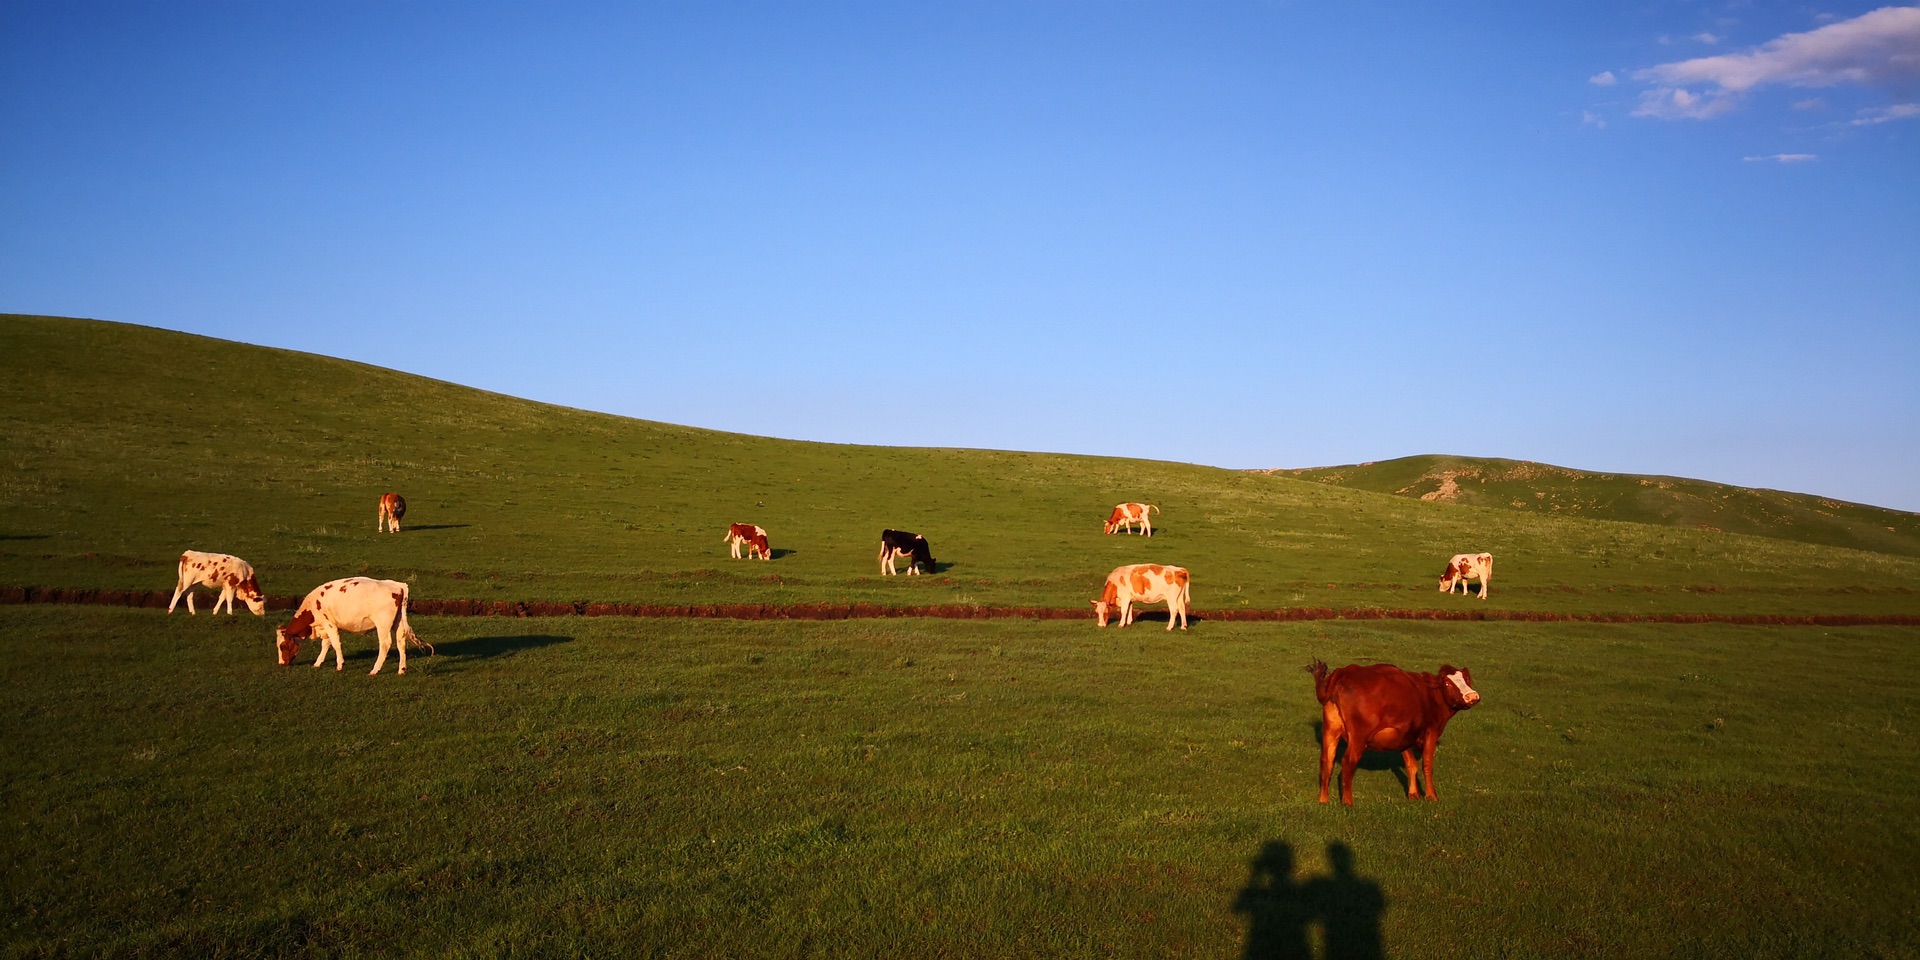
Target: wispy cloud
{"points": [[1589, 118], [1707, 38], [1899, 111], [1604, 78], [1783, 158], [1880, 49]]}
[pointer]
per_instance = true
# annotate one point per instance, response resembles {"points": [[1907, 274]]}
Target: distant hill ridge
{"points": [[1664, 501]]}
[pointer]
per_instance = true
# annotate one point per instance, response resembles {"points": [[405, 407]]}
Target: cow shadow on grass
{"points": [[454, 652], [781, 552], [1370, 760], [24, 536], [439, 526], [1283, 913]]}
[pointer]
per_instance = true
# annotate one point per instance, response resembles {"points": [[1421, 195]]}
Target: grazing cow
{"points": [[392, 507], [749, 536], [1468, 566], [1382, 707], [232, 575], [356, 605], [899, 544], [1127, 514], [1145, 583]]}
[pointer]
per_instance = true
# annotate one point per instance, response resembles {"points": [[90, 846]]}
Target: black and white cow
{"points": [[898, 544]]}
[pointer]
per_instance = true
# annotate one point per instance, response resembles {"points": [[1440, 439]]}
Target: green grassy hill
{"points": [[122, 445], [581, 786], [1668, 501]]}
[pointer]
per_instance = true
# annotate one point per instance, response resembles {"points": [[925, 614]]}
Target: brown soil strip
{"points": [[157, 599]]}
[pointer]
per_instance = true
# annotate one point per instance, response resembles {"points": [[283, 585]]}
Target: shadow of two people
{"points": [[1281, 913]]}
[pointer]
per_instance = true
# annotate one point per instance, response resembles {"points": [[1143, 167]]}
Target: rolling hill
{"points": [[123, 445], [1666, 501]]}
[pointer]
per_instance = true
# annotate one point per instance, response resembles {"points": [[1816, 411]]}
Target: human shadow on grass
{"points": [[1282, 912]]}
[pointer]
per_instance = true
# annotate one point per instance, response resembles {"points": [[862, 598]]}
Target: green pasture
{"points": [[1667, 501], [120, 446], [616, 787]]}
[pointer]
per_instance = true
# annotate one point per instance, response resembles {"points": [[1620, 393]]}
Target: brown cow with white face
{"points": [[392, 507], [356, 605], [1126, 515], [1144, 583], [1464, 567], [751, 537], [232, 575], [1382, 707]]}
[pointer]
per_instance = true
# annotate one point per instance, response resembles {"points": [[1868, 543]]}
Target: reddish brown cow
{"points": [[752, 537], [1382, 707], [392, 507]]}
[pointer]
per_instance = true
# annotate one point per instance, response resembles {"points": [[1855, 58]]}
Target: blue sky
{"points": [[1678, 238]]}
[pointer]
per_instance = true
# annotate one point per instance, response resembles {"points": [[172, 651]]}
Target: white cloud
{"points": [[1810, 103], [1783, 158], [1899, 111], [1675, 104], [1706, 38], [1604, 78], [1589, 118], [1880, 49]]}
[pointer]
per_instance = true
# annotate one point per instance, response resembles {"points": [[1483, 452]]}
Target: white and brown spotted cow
{"points": [[232, 575], [392, 507], [356, 605], [1126, 515], [749, 536], [1464, 567], [1145, 583]]}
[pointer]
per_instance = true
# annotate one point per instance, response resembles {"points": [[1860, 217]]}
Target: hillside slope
{"points": [[122, 445], [1667, 501]]}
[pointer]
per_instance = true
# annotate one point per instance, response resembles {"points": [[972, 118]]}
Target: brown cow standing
{"points": [[1382, 707], [392, 507]]}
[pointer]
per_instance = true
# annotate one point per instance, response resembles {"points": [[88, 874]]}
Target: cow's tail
{"points": [[1321, 691], [1152, 509], [1185, 580], [406, 629]]}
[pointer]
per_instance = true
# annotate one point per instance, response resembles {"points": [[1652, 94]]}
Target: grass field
{"points": [[1666, 501], [606, 787], [922, 788], [124, 445]]}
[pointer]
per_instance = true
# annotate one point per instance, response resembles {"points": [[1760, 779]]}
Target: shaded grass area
{"points": [[121, 446], [889, 788]]}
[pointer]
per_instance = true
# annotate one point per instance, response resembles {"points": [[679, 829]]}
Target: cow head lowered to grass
{"points": [[1382, 707], [356, 605]]}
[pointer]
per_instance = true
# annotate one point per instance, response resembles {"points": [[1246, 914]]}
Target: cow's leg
{"points": [[226, 597], [1146, 523], [1331, 730], [1486, 583], [339, 656], [1356, 747], [1413, 783], [320, 635], [1182, 610], [386, 643], [399, 632], [1126, 611], [1427, 750], [184, 587]]}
